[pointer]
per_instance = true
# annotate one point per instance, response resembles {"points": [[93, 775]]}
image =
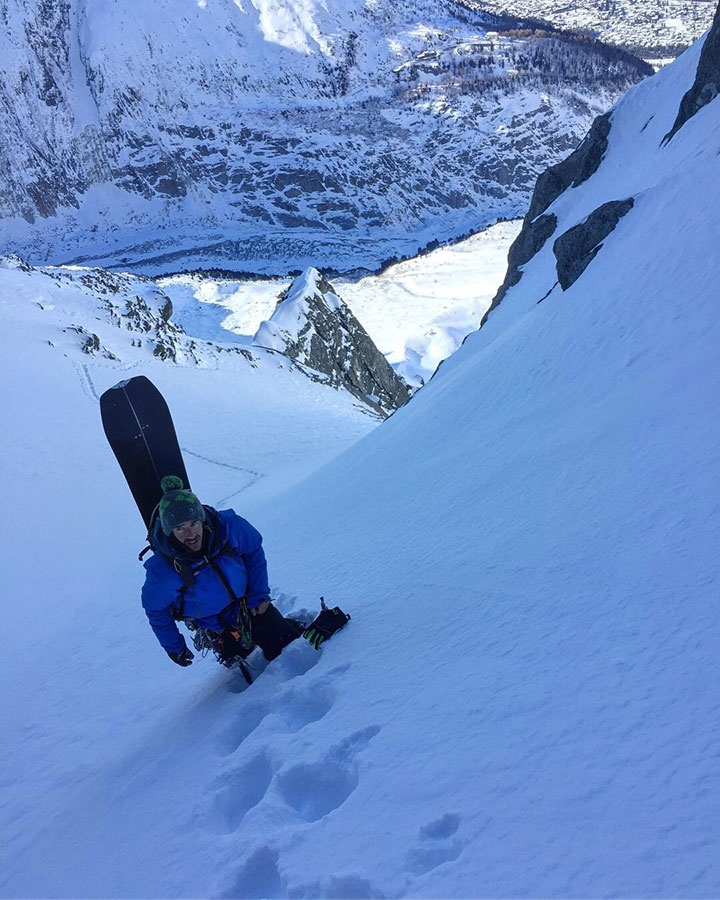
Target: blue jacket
{"points": [[233, 547]]}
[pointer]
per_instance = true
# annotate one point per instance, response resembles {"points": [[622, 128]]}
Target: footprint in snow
{"points": [[300, 707], [338, 887], [241, 728], [437, 844], [296, 707], [256, 663], [296, 659], [238, 791], [316, 789], [258, 878]]}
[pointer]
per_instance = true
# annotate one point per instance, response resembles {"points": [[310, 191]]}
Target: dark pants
{"points": [[270, 631]]}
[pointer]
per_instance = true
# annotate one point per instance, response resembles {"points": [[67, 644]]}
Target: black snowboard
{"points": [[141, 433]]}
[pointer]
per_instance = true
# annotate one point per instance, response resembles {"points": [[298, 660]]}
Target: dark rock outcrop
{"points": [[707, 79], [132, 304], [313, 326], [537, 227], [572, 171], [577, 247], [529, 242]]}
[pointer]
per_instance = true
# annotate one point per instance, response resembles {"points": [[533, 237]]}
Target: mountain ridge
{"points": [[574, 247], [216, 138]]}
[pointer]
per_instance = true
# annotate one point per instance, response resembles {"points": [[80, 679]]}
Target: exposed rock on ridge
{"points": [[571, 172], [114, 312], [574, 170], [529, 242], [313, 326], [707, 79], [577, 247]]}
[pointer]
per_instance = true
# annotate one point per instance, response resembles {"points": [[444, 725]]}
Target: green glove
{"points": [[325, 625]]}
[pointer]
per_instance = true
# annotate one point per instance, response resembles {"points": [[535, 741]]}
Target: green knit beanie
{"points": [[178, 504]]}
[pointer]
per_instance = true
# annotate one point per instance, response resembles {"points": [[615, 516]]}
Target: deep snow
{"points": [[524, 703]]}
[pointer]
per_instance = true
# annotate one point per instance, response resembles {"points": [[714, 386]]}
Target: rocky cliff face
{"points": [[112, 316], [576, 247], [538, 226], [127, 319], [266, 137], [707, 80], [313, 326], [108, 315]]}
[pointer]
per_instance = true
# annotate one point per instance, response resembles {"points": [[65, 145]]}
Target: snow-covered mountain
{"points": [[276, 134], [529, 708], [415, 311], [653, 29], [312, 325], [126, 319]]}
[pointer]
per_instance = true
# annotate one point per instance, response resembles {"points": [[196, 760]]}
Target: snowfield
{"points": [[417, 311], [524, 703]]}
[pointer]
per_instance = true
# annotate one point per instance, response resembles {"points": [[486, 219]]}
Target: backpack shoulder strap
{"points": [[151, 527], [185, 571], [145, 550]]}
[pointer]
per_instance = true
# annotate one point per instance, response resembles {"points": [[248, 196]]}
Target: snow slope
{"points": [[523, 704]]}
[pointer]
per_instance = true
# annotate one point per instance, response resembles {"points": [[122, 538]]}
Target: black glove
{"points": [[183, 658], [325, 625]]}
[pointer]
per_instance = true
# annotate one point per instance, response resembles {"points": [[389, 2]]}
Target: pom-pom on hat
{"points": [[178, 504]]}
